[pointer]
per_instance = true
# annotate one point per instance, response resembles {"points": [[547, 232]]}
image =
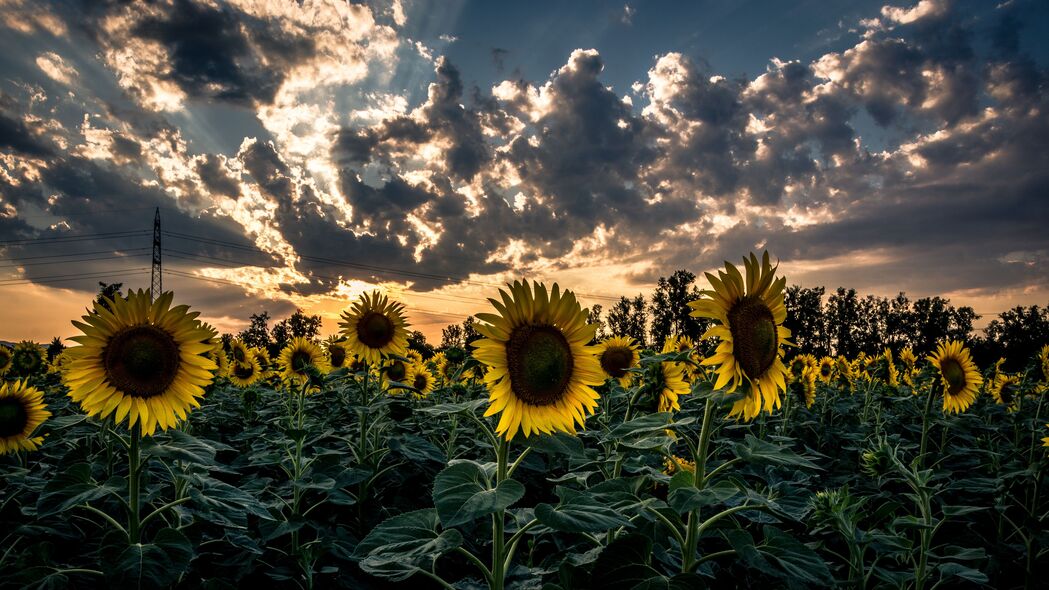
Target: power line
{"points": [[21, 265], [71, 277], [74, 238]]}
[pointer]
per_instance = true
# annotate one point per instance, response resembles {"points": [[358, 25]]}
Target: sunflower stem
{"points": [[693, 528], [925, 429], [499, 520], [134, 533]]}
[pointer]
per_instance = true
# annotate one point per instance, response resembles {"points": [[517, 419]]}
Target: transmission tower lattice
{"points": [[156, 285]]}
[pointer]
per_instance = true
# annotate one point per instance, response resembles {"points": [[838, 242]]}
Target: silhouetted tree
{"points": [[55, 348], [670, 310], [1017, 334], [843, 316], [594, 317], [258, 333], [298, 325], [628, 318], [460, 335], [106, 292], [417, 342], [805, 319]]}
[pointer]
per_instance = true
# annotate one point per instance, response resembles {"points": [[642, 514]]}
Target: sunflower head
{"points": [[672, 465], [375, 327], [298, 357], [826, 369], [803, 387], [245, 374], [396, 370], [140, 360], [541, 372], [616, 355], [6, 358], [238, 351], [22, 410], [959, 375], [1043, 362], [1005, 389], [748, 314], [670, 383], [338, 356], [422, 380], [27, 359]]}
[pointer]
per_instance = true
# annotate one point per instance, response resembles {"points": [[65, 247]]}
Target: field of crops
{"points": [[158, 456]]}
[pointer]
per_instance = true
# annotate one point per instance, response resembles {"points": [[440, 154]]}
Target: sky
{"points": [[301, 153]]}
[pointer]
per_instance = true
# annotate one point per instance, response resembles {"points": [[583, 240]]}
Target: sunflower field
{"points": [[155, 455]]}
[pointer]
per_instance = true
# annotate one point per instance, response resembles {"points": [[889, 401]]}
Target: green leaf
{"points": [[399, 546], [624, 564], [756, 450], [456, 408], [685, 499], [644, 425], [461, 493], [797, 562], [580, 514], [152, 565], [75, 485], [958, 570], [177, 445]]}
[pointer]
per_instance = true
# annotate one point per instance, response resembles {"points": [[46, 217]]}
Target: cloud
{"points": [[911, 157]]}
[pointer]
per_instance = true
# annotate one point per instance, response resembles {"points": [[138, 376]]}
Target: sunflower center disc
{"points": [[243, 371], [13, 417], [753, 335], [615, 361], [420, 382], [238, 353], [300, 360], [397, 371], [141, 361], [540, 363], [375, 330], [954, 375], [338, 356]]}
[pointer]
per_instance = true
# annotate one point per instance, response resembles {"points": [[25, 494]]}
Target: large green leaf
{"points": [[462, 493], [624, 564], [75, 485], [783, 556], [687, 498], [151, 565], [580, 513], [756, 450], [399, 546]]}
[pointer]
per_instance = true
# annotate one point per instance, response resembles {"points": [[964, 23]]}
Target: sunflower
{"points": [[22, 410], [422, 380], [908, 359], [413, 356], [238, 351], [337, 353], [892, 376], [1043, 362], [27, 359], [617, 354], [542, 372], [672, 383], [6, 357], [445, 369], [245, 374], [826, 369], [58, 364], [395, 370], [374, 327], [265, 363], [749, 318], [1045, 441], [804, 386], [1005, 389], [672, 465], [139, 360], [798, 364], [960, 377], [298, 356]]}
